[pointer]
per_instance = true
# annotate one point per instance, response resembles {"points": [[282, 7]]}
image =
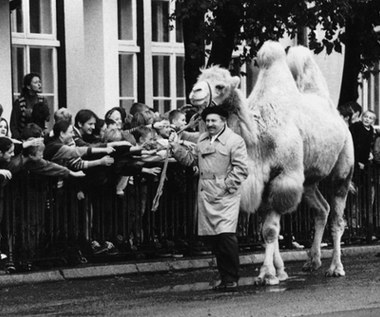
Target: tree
{"points": [[230, 23]]}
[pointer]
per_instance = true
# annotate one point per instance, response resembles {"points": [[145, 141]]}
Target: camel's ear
{"points": [[235, 81]]}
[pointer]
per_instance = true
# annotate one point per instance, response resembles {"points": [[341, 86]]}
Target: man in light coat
{"points": [[221, 156]]}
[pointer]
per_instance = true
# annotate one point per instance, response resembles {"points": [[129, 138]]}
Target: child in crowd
{"points": [[125, 163], [363, 135], [145, 139], [177, 119], [163, 133]]}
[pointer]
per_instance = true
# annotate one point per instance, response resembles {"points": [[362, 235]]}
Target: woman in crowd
{"points": [[23, 106], [85, 124]]}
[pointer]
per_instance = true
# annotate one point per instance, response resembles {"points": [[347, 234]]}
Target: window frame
{"points": [[173, 49], [130, 47], [27, 40]]}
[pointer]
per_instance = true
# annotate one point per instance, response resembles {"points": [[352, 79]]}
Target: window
{"points": [[168, 59], [128, 51], [160, 21], [34, 46]]}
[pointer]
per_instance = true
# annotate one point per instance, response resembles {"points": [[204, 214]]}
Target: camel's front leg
{"points": [[337, 229], [270, 230], [279, 263]]}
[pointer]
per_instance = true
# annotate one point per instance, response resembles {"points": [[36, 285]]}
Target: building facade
{"points": [[98, 54]]}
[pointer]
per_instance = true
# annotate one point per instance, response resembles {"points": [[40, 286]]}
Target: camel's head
{"points": [[215, 85], [269, 53]]}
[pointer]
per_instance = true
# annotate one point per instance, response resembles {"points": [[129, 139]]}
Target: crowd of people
{"points": [[110, 150]]}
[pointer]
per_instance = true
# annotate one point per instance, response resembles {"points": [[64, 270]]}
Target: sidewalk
{"points": [[164, 265]]}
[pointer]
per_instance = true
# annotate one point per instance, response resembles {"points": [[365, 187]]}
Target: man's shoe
{"points": [[226, 287]]}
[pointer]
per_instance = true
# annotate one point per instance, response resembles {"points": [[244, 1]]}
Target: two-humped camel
{"points": [[295, 138]]}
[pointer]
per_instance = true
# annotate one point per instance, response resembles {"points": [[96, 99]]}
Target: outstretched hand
{"points": [[153, 171], [193, 120], [107, 160], [7, 174], [33, 142], [77, 174], [109, 150], [119, 143]]}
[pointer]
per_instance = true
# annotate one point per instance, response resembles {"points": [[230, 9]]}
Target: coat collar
{"points": [[223, 137]]}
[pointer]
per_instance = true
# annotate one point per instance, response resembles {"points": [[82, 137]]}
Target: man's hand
{"points": [[193, 120], [361, 166]]}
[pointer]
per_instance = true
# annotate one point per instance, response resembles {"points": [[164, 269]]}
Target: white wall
{"points": [[101, 88], [5, 60], [332, 68], [75, 55]]}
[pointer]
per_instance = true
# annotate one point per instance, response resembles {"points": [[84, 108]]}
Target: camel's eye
{"points": [[219, 87]]}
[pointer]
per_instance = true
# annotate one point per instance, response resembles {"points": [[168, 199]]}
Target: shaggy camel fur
{"points": [[295, 138]]}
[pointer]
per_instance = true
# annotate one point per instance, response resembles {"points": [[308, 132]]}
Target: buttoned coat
{"points": [[222, 168]]}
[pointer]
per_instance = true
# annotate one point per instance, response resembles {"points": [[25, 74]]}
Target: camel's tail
{"points": [[306, 72]]}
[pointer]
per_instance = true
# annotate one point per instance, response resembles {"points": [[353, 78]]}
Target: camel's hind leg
{"points": [[337, 229], [321, 209], [270, 230], [341, 180]]}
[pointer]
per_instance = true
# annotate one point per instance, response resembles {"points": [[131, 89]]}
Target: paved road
{"points": [[189, 294]]}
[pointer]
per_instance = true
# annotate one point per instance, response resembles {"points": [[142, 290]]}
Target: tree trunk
{"points": [[352, 65], [227, 25], [194, 51]]}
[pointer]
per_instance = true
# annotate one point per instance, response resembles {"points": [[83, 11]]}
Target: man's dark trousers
{"points": [[226, 249]]}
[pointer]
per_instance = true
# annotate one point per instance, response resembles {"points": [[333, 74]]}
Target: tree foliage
{"points": [[260, 20]]}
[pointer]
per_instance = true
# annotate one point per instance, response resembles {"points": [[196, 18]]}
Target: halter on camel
{"points": [[156, 200]]}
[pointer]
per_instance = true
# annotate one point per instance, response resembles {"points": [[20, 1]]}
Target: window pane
{"points": [[50, 101], [126, 78], [178, 31], [125, 23], [126, 104], [17, 22], [40, 16], [41, 62], [18, 70], [180, 103], [180, 76], [160, 21], [161, 106], [161, 76]]}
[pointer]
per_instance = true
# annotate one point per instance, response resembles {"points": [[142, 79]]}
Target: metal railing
{"points": [[44, 223]]}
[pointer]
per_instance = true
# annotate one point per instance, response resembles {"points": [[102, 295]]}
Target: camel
{"points": [[295, 138]]}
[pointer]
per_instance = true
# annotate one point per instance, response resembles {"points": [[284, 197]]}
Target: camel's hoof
{"points": [[258, 281], [335, 273], [282, 276], [270, 279], [311, 266]]}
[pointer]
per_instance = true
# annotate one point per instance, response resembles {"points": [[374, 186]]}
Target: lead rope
{"points": [[156, 200]]}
